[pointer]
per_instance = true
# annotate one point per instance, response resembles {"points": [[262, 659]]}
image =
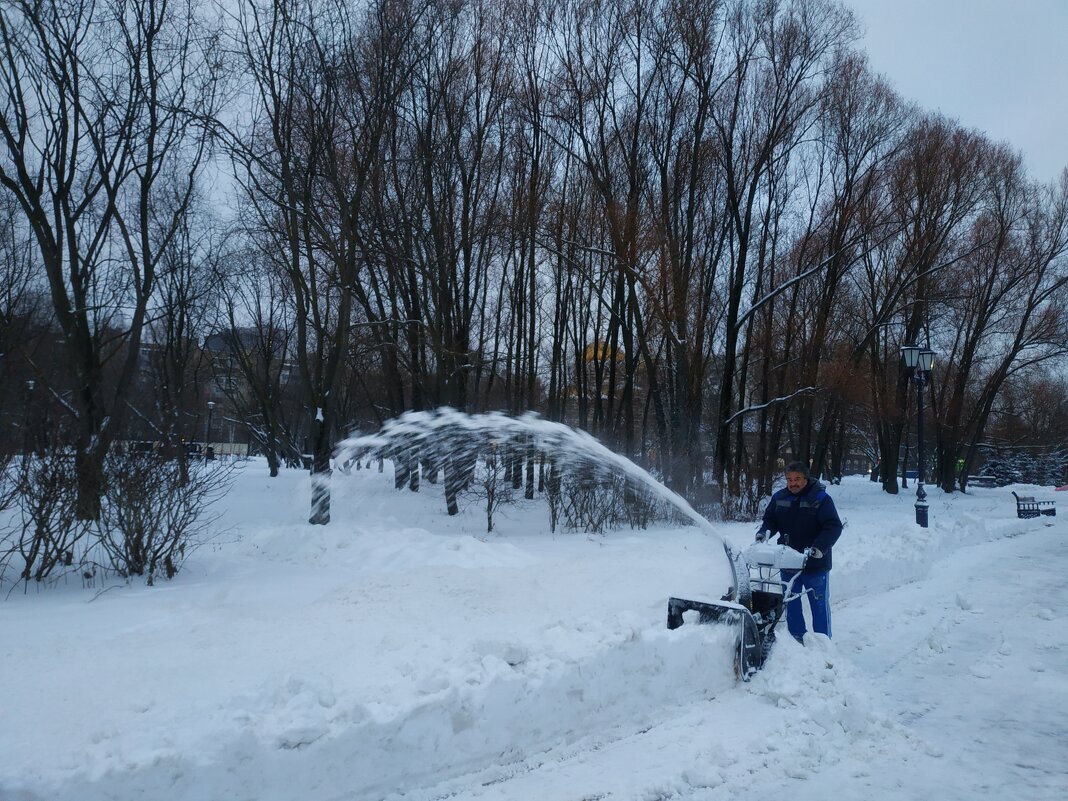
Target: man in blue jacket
{"points": [[804, 517]]}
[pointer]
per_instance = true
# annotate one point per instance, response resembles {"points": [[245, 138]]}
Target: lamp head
{"points": [[926, 359]]}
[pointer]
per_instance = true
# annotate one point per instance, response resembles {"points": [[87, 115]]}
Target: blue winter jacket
{"points": [[806, 520]]}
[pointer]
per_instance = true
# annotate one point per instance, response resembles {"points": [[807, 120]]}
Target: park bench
{"points": [[1027, 506]]}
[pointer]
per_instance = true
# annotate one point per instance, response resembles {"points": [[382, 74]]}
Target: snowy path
{"points": [[1000, 642], [889, 725]]}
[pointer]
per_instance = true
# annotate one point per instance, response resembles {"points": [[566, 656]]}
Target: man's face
{"points": [[796, 482]]}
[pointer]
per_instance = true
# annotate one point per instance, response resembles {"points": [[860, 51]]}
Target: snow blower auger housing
{"points": [[755, 607]]}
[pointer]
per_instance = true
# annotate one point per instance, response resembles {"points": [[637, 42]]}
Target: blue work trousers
{"points": [[817, 587]]}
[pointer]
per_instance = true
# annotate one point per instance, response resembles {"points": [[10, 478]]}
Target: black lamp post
{"points": [[919, 361], [207, 427], [29, 443]]}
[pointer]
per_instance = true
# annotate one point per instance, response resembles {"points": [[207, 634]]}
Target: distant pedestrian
{"points": [[805, 518]]}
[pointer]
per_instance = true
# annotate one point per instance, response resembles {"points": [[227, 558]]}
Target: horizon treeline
{"points": [[700, 231]]}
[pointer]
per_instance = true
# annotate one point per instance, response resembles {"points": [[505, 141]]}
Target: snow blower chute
{"points": [[754, 604]]}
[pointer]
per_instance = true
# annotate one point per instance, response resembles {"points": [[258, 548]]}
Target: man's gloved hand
{"points": [[762, 535], [813, 553]]}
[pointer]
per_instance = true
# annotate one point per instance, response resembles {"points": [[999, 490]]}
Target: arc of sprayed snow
{"points": [[413, 428]]}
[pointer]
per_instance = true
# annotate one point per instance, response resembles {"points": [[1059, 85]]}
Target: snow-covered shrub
{"points": [[593, 500], [589, 502], [46, 538], [553, 495], [748, 505], [152, 516], [8, 482], [491, 485]]}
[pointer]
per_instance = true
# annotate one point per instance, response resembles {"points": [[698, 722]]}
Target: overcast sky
{"points": [[997, 65]]}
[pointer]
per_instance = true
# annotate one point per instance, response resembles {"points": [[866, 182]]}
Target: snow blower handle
{"points": [[763, 535]]}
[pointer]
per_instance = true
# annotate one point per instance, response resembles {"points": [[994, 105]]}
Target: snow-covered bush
{"points": [[553, 495], [491, 485], [8, 482], [748, 504], [593, 500], [152, 516], [45, 538], [589, 502]]}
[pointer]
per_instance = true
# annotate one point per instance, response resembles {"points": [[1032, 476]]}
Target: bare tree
{"points": [[861, 126], [325, 85], [21, 320], [933, 188], [490, 485], [182, 312], [97, 101], [688, 191], [607, 84], [762, 114], [1004, 308], [259, 333]]}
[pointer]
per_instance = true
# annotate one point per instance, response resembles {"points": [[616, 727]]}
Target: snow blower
{"points": [[754, 604]]}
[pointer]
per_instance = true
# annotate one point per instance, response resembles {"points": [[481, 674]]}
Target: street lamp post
{"points": [[919, 361], [29, 443], [207, 428]]}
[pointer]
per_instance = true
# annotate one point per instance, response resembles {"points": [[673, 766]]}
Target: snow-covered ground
{"points": [[401, 654]]}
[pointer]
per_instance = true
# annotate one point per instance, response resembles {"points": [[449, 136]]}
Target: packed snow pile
{"points": [[401, 653]]}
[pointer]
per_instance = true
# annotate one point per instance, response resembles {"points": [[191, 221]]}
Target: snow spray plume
{"points": [[447, 431]]}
